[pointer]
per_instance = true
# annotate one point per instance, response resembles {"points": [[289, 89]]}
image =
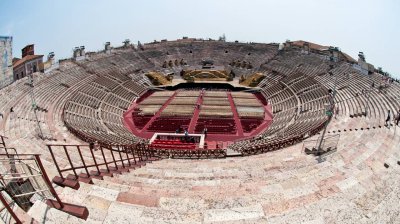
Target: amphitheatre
{"points": [[202, 131]]}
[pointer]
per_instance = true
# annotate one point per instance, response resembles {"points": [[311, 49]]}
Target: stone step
{"points": [[44, 214]]}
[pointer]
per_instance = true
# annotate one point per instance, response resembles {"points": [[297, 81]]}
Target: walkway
{"points": [[196, 113], [235, 116]]}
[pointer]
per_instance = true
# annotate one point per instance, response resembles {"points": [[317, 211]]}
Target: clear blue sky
{"points": [[371, 26]]}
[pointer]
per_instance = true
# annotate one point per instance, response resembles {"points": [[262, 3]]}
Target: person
{"points": [[186, 135], [205, 131], [336, 111], [398, 117], [11, 109], [1, 115], [96, 146], [387, 118]]}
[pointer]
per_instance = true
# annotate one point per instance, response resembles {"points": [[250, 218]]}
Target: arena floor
{"points": [[240, 128]]}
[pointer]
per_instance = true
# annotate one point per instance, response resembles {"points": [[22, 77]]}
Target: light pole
{"points": [[34, 106], [329, 113]]}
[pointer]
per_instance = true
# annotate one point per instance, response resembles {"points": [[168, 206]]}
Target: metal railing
{"points": [[23, 180], [7, 206], [23, 177], [83, 162], [2, 142]]}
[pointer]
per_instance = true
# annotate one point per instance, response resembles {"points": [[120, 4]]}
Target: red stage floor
{"points": [[211, 139]]}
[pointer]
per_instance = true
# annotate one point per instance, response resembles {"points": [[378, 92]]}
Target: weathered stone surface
{"points": [[123, 213], [108, 194], [138, 199], [217, 215]]}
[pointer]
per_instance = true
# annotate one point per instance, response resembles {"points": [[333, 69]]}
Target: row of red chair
{"points": [[216, 125], [249, 125], [141, 121], [169, 124], [261, 98], [161, 146], [168, 142]]}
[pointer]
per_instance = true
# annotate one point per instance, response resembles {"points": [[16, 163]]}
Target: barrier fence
{"points": [[76, 163], [23, 180]]}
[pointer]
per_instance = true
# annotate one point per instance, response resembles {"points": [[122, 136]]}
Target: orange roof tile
{"points": [[25, 59]]}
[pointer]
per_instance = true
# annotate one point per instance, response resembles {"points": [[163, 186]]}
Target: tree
{"points": [[222, 38]]}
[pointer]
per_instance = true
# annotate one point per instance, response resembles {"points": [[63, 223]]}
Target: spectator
{"points": [[336, 111], [387, 118], [186, 135], [94, 145], [398, 117], [205, 131]]}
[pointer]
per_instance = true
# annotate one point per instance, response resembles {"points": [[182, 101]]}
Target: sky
{"points": [[370, 26]]}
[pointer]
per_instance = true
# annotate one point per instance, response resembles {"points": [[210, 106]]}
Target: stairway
{"points": [[196, 113], [235, 115]]}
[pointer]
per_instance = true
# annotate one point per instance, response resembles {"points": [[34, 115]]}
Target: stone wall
{"points": [[6, 69]]}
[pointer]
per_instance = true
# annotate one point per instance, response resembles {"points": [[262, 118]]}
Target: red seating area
{"points": [[141, 121], [169, 124], [216, 125], [261, 98], [249, 124], [144, 96], [147, 120], [172, 144]]}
